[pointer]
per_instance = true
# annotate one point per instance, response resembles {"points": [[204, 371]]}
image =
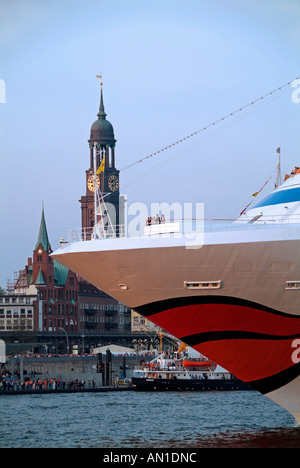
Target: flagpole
{"points": [[95, 192], [99, 199], [102, 169]]}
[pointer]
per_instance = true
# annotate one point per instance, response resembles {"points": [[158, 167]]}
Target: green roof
{"points": [[40, 278], [60, 273], [43, 239]]}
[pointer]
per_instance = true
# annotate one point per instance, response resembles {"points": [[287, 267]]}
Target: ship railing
{"points": [[87, 234], [177, 227]]}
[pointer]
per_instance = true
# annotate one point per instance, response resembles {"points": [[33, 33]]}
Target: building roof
{"points": [[115, 349], [102, 130], [40, 278], [88, 289], [60, 273], [43, 239]]}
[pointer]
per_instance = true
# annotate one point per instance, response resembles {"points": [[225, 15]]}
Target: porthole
{"points": [[203, 284], [292, 285]]}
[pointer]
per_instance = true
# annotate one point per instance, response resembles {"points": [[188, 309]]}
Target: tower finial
{"points": [[101, 114], [100, 76]]}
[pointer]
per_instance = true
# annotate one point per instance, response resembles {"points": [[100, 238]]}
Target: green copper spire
{"points": [[101, 114], [43, 235]]}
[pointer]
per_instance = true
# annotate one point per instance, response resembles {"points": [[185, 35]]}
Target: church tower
{"points": [[42, 268], [102, 137]]}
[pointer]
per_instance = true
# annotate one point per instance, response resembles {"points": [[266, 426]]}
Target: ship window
{"points": [[292, 285], [203, 284]]}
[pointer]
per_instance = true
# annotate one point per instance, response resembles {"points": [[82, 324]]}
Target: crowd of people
{"points": [[8, 382], [155, 220]]}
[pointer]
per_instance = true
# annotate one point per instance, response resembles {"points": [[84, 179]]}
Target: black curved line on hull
{"points": [[199, 338], [152, 308], [274, 382], [267, 384]]}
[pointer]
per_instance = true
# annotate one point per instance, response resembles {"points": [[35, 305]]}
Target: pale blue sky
{"points": [[169, 68]]}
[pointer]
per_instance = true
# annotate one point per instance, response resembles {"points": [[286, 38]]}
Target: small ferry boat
{"points": [[175, 371]]}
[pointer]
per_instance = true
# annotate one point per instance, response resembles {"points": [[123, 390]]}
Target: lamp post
{"points": [[60, 328]]}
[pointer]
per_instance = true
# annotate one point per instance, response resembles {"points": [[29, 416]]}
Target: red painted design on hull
{"points": [[251, 343], [250, 360], [202, 318]]}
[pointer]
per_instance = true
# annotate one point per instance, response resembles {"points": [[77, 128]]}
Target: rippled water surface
{"points": [[145, 420]]}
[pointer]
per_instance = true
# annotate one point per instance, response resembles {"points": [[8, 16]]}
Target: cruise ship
{"points": [[232, 292]]}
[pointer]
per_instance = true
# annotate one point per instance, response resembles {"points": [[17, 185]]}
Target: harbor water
{"points": [[146, 419]]}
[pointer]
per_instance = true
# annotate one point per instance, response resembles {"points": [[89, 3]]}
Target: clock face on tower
{"points": [[113, 183], [91, 183]]}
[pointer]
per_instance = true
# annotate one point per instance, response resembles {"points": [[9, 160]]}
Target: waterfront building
{"points": [[17, 312], [140, 323], [59, 298], [54, 286], [99, 312]]}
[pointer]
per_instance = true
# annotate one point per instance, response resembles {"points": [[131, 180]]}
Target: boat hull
{"points": [[247, 324], [204, 385]]}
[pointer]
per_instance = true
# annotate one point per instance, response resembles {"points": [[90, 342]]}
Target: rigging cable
{"points": [[252, 103], [215, 131]]}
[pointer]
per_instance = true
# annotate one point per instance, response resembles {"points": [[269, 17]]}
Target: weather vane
{"points": [[100, 76]]}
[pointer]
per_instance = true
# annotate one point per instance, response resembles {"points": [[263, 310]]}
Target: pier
{"points": [[68, 374], [68, 390]]}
